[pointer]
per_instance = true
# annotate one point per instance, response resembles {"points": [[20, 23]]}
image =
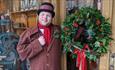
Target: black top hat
{"points": [[47, 7]]}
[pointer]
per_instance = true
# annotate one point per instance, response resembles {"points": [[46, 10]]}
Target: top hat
{"points": [[47, 7]]}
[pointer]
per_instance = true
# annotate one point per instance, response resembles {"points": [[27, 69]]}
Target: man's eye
{"points": [[48, 15], [42, 14]]}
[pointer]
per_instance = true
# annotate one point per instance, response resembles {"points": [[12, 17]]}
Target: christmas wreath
{"points": [[86, 32]]}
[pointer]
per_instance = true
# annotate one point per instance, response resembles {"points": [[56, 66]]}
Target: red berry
{"points": [[75, 24], [110, 43], [66, 28]]}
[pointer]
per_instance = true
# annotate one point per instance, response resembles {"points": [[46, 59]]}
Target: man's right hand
{"points": [[42, 40]]}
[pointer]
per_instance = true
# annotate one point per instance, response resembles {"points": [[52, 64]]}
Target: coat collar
{"points": [[35, 30]]}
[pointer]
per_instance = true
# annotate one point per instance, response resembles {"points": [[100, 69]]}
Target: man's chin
{"points": [[45, 24]]}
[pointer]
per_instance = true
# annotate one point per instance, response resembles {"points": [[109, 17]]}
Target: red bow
{"points": [[81, 61]]}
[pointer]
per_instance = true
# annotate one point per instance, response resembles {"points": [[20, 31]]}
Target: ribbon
{"points": [[81, 61]]}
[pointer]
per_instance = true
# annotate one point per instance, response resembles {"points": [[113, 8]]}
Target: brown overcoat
{"points": [[40, 57]]}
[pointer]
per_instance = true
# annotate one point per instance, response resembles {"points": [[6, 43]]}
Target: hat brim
{"points": [[40, 10]]}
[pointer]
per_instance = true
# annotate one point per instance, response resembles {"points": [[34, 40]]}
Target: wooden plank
{"points": [[107, 12], [46, 0], [113, 27], [2, 6], [56, 5], [32, 21], [62, 17], [62, 10], [113, 21], [16, 5]]}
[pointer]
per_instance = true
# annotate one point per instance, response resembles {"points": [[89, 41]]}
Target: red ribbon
{"points": [[81, 61]]}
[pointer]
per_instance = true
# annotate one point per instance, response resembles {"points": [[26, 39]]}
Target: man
{"points": [[42, 45]]}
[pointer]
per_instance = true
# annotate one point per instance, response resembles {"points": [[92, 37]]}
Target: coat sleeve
{"points": [[27, 49]]}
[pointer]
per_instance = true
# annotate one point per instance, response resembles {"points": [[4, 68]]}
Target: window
{"points": [[28, 4], [72, 5]]}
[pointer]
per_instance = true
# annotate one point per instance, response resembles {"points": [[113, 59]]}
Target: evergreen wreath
{"points": [[86, 27]]}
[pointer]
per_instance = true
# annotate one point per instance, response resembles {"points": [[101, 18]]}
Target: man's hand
{"points": [[42, 40]]}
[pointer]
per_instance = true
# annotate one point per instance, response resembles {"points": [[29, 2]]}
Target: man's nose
{"points": [[45, 17]]}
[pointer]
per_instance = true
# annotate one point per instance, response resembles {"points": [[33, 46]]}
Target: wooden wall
{"points": [[2, 6], [108, 10]]}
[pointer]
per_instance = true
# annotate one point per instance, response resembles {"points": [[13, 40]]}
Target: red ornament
{"points": [[98, 22], [75, 24], [110, 44], [66, 28]]}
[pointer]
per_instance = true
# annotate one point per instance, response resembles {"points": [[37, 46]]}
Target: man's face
{"points": [[45, 18]]}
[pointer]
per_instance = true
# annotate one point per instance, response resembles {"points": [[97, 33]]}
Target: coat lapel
{"points": [[35, 30]]}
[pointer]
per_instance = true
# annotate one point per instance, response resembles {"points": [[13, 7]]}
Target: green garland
{"points": [[86, 26]]}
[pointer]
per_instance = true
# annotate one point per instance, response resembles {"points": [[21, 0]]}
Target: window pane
{"points": [[72, 5]]}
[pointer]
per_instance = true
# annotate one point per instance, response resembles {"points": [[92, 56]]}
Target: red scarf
{"points": [[47, 33]]}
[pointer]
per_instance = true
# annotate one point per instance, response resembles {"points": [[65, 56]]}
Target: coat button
{"points": [[47, 65], [47, 54]]}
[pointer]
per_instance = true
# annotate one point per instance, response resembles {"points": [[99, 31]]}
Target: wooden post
{"points": [[62, 17], [113, 27], [16, 5], [2, 6], [62, 10], [46, 0], [107, 12], [57, 11]]}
